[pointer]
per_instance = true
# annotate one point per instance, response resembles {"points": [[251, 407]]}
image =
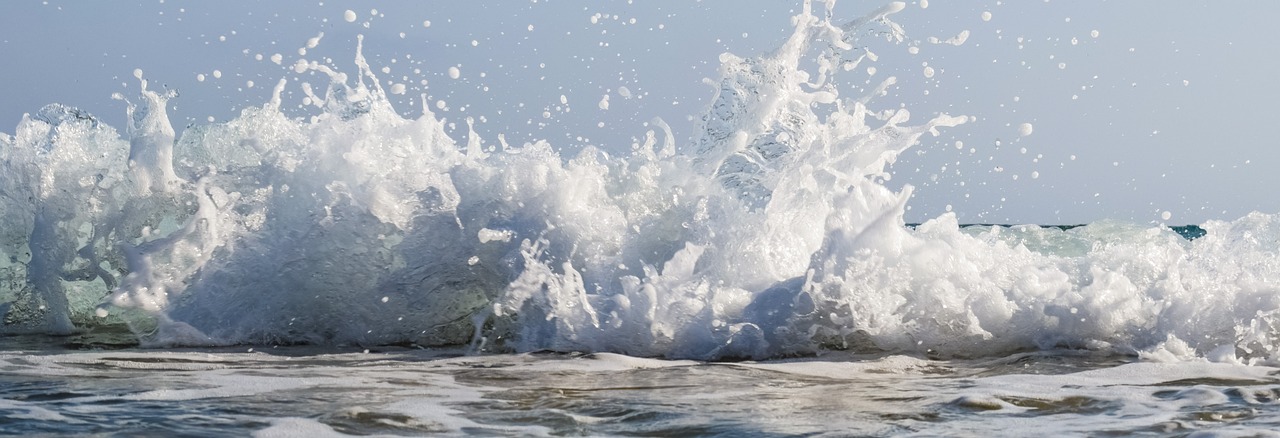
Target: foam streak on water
{"points": [[770, 234], [302, 390]]}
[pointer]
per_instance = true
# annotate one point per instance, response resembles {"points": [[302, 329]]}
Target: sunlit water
{"points": [[765, 263]]}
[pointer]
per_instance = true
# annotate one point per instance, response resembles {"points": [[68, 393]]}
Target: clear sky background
{"points": [[1170, 107]]}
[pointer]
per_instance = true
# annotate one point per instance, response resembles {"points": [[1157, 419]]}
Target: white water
{"points": [[770, 234]]}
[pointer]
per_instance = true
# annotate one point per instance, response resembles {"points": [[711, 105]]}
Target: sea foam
{"points": [[770, 234]]}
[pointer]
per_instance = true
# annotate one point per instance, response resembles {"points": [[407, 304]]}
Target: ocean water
{"points": [[357, 271], [292, 391]]}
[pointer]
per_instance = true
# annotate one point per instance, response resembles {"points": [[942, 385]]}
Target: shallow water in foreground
{"points": [[291, 391]]}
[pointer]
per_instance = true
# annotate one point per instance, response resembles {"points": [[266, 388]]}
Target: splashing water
{"points": [[771, 234]]}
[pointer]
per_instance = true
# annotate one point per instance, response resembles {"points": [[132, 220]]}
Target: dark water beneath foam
{"points": [[1189, 232]]}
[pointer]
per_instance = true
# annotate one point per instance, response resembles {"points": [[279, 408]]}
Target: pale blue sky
{"points": [[1145, 141]]}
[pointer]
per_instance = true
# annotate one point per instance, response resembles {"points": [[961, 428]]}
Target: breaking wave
{"points": [[770, 234]]}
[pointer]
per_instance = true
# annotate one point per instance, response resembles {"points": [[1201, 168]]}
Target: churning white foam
{"points": [[769, 234]]}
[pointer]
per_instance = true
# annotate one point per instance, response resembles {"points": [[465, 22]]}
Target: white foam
{"points": [[769, 233], [296, 427], [846, 367], [486, 235]]}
